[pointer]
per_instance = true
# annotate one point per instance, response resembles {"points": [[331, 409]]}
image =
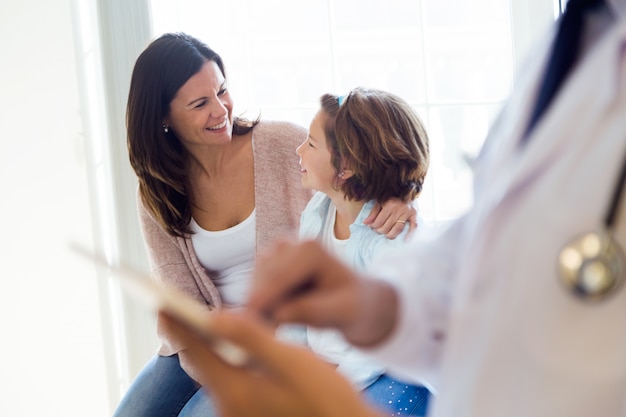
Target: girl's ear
{"points": [[345, 173]]}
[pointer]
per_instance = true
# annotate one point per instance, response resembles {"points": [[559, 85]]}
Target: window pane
{"points": [[452, 59], [456, 134], [469, 50]]}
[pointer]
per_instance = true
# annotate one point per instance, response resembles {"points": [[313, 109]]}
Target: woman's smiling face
{"points": [[201, 112]]}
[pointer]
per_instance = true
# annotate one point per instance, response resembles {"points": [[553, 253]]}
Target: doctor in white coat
{"points": [[482, 313]]}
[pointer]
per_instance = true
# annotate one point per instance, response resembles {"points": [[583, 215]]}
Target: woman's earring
{"points": [[165, 128], [341, 174]]}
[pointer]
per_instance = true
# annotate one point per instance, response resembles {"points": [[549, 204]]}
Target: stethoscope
{"points": [[592, 265]]}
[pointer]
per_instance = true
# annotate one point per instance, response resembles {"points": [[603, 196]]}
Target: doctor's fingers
{"points": [[238, 391], [291, 270], [283, 381], [286, 381]]}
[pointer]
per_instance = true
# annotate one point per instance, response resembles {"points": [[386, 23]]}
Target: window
{"points": [[453, 60]]}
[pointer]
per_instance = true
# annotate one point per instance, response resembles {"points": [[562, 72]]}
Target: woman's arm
{"points": [[168, 264]]}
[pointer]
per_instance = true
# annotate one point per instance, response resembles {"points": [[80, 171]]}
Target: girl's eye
{"points": [[200, 104], [310, 144], [222, 92]]}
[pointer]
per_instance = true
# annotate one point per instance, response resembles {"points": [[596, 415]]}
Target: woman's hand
{"points": [[282, 380], [390, 218]]}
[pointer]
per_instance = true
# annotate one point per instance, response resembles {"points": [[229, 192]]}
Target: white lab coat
{"points": [[484, 318]]}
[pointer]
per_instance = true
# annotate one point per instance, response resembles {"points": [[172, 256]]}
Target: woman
{"points": [[214, 190]]}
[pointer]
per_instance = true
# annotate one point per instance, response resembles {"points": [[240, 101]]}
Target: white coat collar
{"points": [[618, 8]]}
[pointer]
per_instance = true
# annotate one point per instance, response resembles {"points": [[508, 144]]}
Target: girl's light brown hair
{"points": [[381, 139]]}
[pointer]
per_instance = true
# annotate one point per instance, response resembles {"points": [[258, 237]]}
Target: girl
{"points": [[365, 147]]}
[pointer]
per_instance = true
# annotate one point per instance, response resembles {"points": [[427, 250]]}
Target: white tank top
{"points": [[329, 240], [228, 255], [329, 344]]}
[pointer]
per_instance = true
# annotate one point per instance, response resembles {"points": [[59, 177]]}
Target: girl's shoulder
{"points": [[312, 217]]}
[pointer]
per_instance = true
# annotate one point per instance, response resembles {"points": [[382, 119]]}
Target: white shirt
{"points": [[229, 254], [329, 344]]}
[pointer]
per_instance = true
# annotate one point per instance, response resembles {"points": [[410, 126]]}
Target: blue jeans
{"points": [[396, 397], [163, 389]]}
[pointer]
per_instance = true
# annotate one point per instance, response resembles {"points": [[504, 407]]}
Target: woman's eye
{"points": [[222, 92], [200, 104]]}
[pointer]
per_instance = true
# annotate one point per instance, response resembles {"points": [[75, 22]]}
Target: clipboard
{"points": [[160, 296]]}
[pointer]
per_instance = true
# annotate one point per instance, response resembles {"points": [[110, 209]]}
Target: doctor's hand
{"points": [[300, 282], [390, 218], [283, 380]]}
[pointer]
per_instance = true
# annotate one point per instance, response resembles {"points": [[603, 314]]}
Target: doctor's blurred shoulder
{"points": [[517, 308]]}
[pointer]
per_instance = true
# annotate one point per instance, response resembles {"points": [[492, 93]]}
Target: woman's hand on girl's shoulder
{"points": [[391, 217]]}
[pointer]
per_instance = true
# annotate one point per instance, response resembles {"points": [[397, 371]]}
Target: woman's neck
{"points": [[213, 161], [347, 212]]}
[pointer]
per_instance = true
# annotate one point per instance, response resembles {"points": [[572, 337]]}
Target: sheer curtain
{"points": [[453, 60]]}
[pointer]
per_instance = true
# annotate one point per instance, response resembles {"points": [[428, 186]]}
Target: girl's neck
{"points": [[347, 212]]}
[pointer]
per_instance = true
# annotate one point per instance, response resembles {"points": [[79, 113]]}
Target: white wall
{"points": [[51, 355]]}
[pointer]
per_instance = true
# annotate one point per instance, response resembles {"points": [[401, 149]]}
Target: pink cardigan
{"points": [[279, 200]]}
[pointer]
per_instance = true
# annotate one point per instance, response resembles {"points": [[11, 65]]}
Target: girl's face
{"points": [[201, 112], [317, 170]]}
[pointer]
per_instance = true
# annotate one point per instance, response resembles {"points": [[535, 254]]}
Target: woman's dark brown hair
{"points": [[158, 157], [381, 139]]}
